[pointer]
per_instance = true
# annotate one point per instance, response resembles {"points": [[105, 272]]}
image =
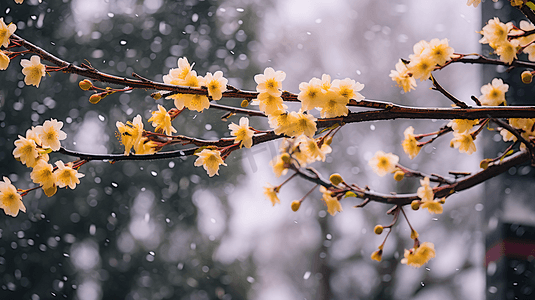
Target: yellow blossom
{"points": [[130, 133], [196, 102], [210, 160], [402, 78], [425, 192], [383, 163], [33, 70], [271, 193], [279, 123], [191, 101], [10, 199], [332, 203], [66, 175], [434, 207], [51, 134], [507, 50], [176, 76], [507, 135], [463, 141], [347, 88], [421, 67], [216, 84], [326, 82], [310, 148], [5, 32], [410, 144], [43, 174], [419, 48], [242, 132], [270, 104], [525, 26], [184, 76], [26, 151], [419, 256], [311, 94], [475, 3], [301, 123], [462, 125], [493, 93], [19, 1], [439, 51], [270, 81], [517, 2], [334, 105], [145, 146], [530, 51], [522, 123], [279, 166], [33, 134], [495, 32], [162, 121], [4, 60]]}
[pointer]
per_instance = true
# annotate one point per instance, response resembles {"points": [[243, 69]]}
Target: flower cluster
{"points": [[131, 135], [299, 152], [525, 127], [425, 192], [496, 34], [32, 68], [5, 32], [427, 56], [331, 98], [507, 40], [184, 75], [302, 150], [32, 150]]}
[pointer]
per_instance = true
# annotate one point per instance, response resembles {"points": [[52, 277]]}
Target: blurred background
{"points": [[164, 229]]}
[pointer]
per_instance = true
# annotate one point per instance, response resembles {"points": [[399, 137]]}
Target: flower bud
{"points": [[378, 229], [336, 179], [156, 95], [85, 84], [377, 255], [484, 164], [244, 103], [399, 175], [526, 77], [414, 234], [285, 157], [442, 201], [415, 204], [350, 194], [328, 140], [94, 99], [295, 205]]}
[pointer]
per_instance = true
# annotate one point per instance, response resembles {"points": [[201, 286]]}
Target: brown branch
{"points": [[519, 137], [447, 94], [388, 110], [527, 12], [465, 183], [489, 61]]}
